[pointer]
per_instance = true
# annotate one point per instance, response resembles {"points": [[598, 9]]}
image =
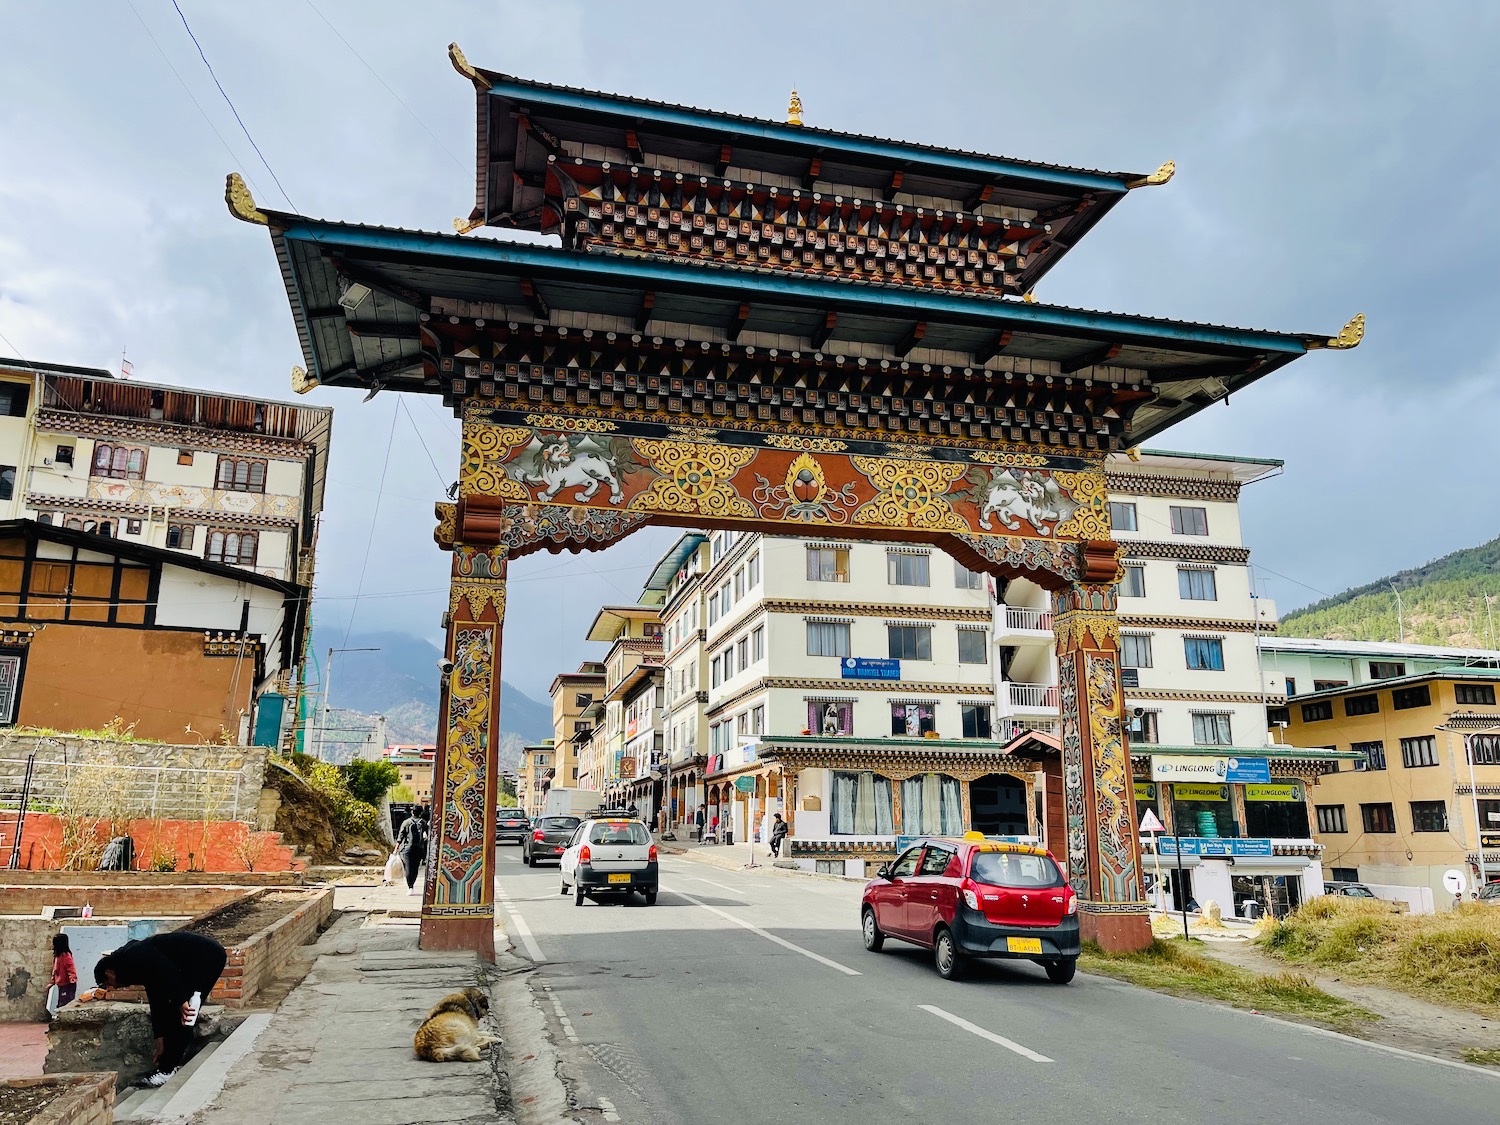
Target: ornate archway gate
{"points": [[755, 325]]}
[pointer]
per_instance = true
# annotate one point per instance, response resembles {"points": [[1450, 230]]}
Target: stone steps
{"points": [[196, 1084]]}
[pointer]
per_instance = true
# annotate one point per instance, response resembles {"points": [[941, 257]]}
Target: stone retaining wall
{"points": [[255, 962], [90, 1099], [120, 902]]}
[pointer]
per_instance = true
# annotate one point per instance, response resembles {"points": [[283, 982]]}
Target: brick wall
{"points": [[151, 878], [120, 902], [255, 962], [90, 1099], [215, 846]]}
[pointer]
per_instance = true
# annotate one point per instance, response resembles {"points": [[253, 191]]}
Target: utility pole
{"points": [[1400, 614], [328, 690], [1490, 612]]}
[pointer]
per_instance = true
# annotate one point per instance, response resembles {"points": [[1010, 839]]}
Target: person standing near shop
{"points": [[64, 972], [778, 834], [178, 970]]}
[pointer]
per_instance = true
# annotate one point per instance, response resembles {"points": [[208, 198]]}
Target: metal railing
{"points": [[1021, 619], [106, 789], [1032, 695]]}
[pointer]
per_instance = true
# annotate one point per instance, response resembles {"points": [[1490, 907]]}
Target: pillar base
{"points": [[1116, 929], [472, 932]]}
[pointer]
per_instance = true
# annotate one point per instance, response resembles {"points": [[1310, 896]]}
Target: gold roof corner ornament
{"points": [[1350, 335], [1029, 296], [241, 202], [302, 382], [794, 109], [464, 226], [464, 67], [1134, 453], [1157, 178]]}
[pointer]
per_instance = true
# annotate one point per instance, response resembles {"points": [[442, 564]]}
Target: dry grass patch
{"points": [[1449, 958], [1179, 969], [1481, 1058]]}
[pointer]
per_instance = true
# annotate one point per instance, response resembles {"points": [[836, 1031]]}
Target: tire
{"points": [[1061, 972], [874, 938], [578, 895], [651, 897], [562, 890], [946, 956]]}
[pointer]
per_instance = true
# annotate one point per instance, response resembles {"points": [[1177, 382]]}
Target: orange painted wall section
{"points": [[216, 850], [81, 678]]}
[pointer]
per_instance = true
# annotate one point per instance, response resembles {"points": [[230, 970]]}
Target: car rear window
{"points": [[563, 823], [1011, 869], [1358, 892], [619, 832]]}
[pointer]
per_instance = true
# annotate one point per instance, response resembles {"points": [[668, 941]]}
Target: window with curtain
{"points": [[1204, 654], [903, 569], [931, 806], [861, 805], [1211, 730], [827, 638], [1197, 585]]}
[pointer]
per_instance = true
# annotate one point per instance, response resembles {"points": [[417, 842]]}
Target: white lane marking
{"points": [[610, 1113], [818, 957], [521, 927], [562, 1016], [1008, 1044], [711, 883]]}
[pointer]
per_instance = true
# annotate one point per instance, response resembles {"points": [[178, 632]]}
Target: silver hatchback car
{"points": [[610, 855]]}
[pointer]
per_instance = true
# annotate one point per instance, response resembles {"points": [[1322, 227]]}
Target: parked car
{"points": [[549, 838], [512, 825], [610, 855], [970, 897], [1350, 890], [1489, 893]]}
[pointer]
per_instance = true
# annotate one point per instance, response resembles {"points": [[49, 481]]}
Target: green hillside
{"points": [[1444, 604]]}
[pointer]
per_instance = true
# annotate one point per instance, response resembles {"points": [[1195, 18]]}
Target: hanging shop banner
{"points": [[1249, 771], [870, 668], [1193, 845], [1145, 791], [1185, 792], [1273, 792], [1183, 767]]}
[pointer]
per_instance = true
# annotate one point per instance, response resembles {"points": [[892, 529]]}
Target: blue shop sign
{"points": [[1248, 771], [1210, 848], [870, 668]]}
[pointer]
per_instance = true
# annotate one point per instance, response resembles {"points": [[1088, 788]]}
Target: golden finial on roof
{"points": [[464, 67], [794, 109], [1157, 178], [241, 202], [1349, 336], [1134, 453], [1029, 296], [302, 382], [464, 226]]}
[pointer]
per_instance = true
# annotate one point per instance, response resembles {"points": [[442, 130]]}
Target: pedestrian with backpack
{"points": [[411, 845]]}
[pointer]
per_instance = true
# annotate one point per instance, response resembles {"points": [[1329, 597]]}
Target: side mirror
{"points": [[885, 871]]}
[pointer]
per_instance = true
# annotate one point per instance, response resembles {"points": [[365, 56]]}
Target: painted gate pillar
{"points": [[458, 904], [1104, 859]]}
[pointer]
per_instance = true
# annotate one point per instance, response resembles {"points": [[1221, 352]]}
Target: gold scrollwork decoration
{"points": [[1005, 457], [1089, 491], [241, 203], [693, 477], [481, 465], [478, 595], [706, 434], [912, 494], [805, 444], [571, 425], [447, 527], [1087, 629]]}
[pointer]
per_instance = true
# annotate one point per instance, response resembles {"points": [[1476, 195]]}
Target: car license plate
{"points": [[626, 878], [1023, 945]]}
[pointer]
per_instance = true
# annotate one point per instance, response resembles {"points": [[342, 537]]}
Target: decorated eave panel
{"points": [[538, 145], [462, 316]]}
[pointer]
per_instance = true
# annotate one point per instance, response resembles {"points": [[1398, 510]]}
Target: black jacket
{"points": [[170, 967]]}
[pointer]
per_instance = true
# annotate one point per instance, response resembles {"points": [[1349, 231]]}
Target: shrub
{"points": [[370, 781]]}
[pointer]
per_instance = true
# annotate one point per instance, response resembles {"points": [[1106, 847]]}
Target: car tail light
{"points": [[537, 835], [584, 855], [651, 855], [971, 900], [1072, 902]]}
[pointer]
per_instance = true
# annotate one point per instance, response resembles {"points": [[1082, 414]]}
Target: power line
{"points": [[374, 519], [401, 402], [230, 103]]}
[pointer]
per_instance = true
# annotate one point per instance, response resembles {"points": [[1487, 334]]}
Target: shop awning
{"points": [[1269, 865]]}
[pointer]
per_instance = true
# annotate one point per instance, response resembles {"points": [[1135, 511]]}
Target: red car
{"points": [[975, 898]]}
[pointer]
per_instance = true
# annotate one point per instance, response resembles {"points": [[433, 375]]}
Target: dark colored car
{"points": [[512, 825], [1489, 893], [1349, 890], [974, 898], [549, 839]]}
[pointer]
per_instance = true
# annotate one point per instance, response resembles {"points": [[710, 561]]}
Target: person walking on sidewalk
{"points": [[411, 845], [699, 819], [778, 834], [64, 972], [178, 970]]}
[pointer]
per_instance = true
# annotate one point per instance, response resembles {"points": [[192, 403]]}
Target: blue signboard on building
{"points": [[1248, 771], [1210, 848], [870, 668]]}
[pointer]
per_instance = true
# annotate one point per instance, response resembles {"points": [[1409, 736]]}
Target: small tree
{"points": [[370, 781]]}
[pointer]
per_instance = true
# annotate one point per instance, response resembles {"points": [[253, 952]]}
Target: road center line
{"points": [[818, 957], [1008, 1044], [711, 883]]}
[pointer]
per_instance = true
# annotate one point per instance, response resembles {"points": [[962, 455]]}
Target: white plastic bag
{"points": [[52, 998], [393, 869]]}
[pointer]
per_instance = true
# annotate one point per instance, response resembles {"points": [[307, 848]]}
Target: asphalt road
{"points": [[746, 997]]}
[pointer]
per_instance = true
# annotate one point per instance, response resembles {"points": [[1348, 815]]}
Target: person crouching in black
{"points": [[178, 970]]}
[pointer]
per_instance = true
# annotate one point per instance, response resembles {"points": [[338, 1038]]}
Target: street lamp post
{"points": [[328, 690]]}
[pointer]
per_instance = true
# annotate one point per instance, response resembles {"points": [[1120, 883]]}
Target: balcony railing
{"points": [[1019, 619], [1033, 696]]}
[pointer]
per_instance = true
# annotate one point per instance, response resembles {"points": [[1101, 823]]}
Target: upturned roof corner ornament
{"points": [[464, 226], [794, 109], [241, 202], [1350, 335], [464, 67], [1157, 178], [302, 382]]}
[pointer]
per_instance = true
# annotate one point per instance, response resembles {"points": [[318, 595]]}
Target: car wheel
{"points": [[949, 961], [578, 895], [528, 859], [562, 890], [651, 897], [1061, 972], [874, 939]]}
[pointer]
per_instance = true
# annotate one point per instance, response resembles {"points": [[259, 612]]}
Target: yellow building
{"points": [[1427, 787], [415, 765], [573, 697]]}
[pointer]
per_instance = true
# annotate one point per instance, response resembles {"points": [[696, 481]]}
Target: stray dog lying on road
{"points": [[451, 1030]]}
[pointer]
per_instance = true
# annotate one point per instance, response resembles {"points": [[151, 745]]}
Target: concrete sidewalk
{"points": [[729, 856], [340, 1046]]}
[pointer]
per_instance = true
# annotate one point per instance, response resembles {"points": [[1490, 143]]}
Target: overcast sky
{"points": [[1331, 158]]}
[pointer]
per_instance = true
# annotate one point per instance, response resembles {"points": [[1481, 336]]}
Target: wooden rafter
{"points": [[534, 300], [814, 170], [993, 347], [911, 339], [737, 325], [821, 334], [643, 317], [1101, 354], [979, 198]]}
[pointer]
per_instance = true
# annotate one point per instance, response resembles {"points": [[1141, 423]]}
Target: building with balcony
{"points": [[534, 778], [634, 636], [685, 717], [1421, 795], [573, 697]]}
